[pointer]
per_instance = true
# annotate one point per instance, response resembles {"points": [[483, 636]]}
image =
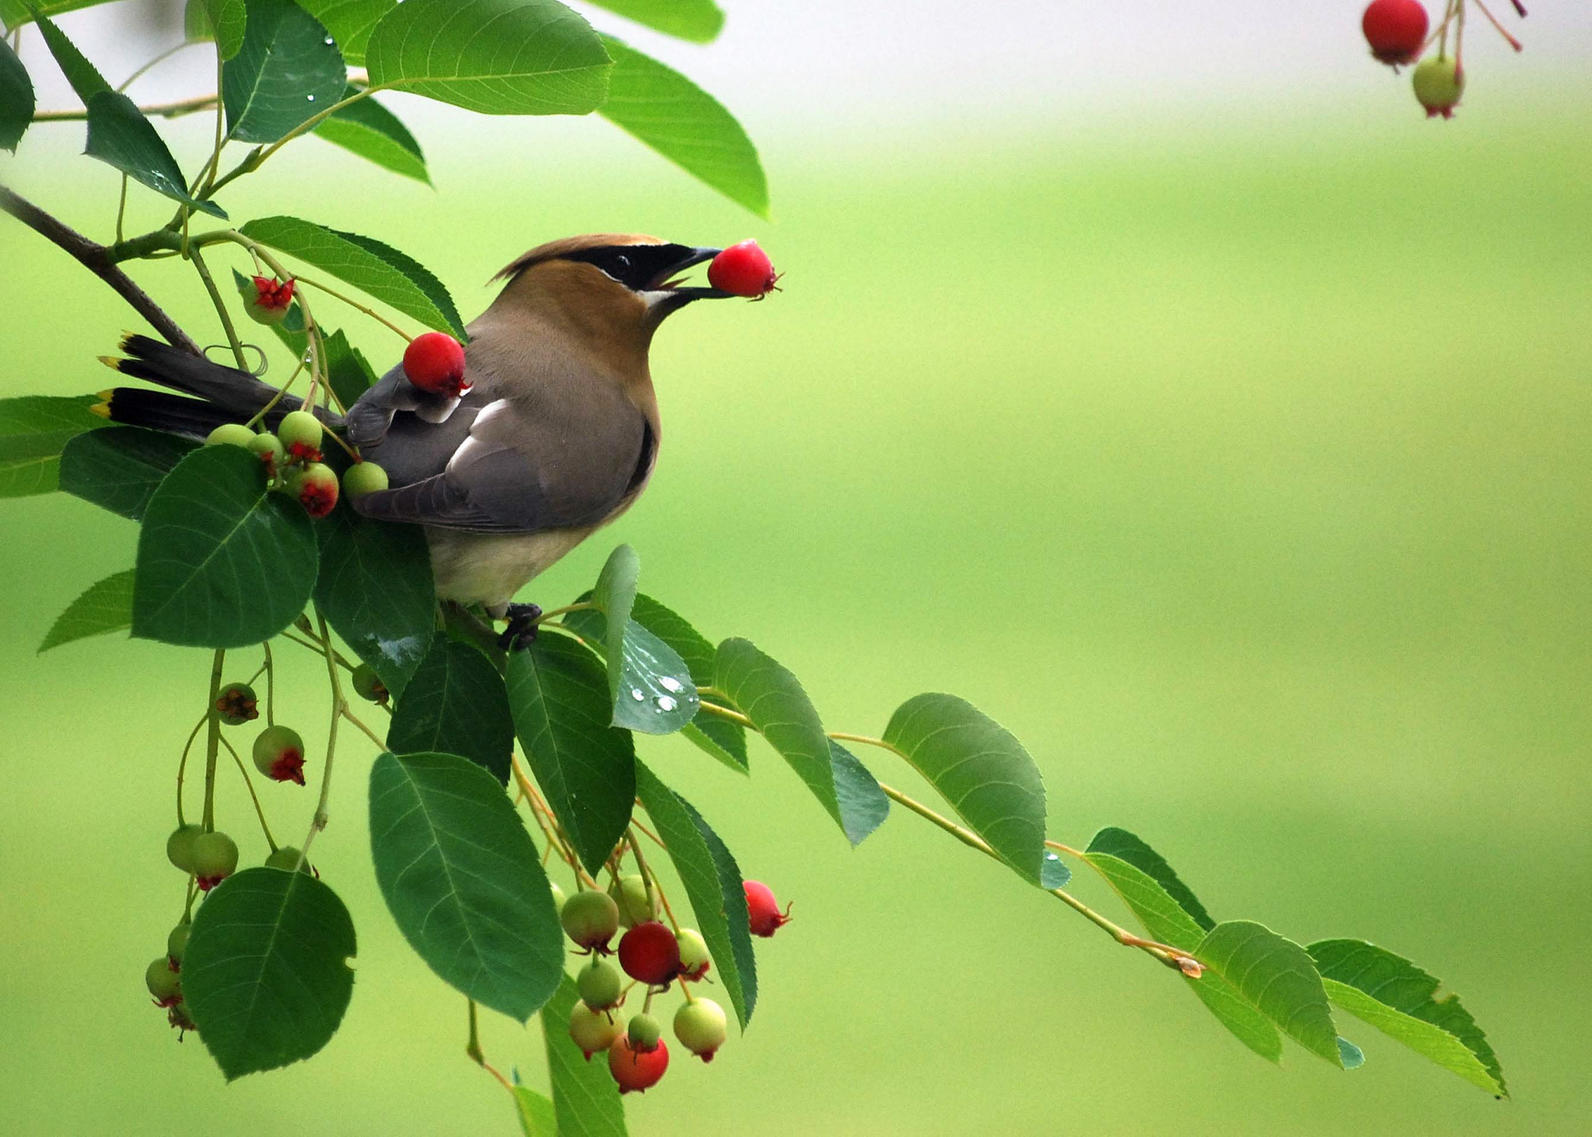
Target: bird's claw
{"points": [[521, 630]]}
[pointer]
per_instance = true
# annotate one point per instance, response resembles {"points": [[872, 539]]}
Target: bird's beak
{"points": [[667, 292]]}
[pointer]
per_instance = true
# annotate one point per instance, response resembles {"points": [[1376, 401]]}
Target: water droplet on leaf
{"points": [[669, 683], [665, 703], [635, 693]]}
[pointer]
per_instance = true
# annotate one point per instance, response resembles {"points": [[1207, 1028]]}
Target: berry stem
{"points": [[339, 709], [213, 740], [1499, 28], [269, 668], [548, 823], [546, 616], [220, 306], [472, 1048], [153, 110], [182, 764], [352, 303], [254, 797], [649, 880]]}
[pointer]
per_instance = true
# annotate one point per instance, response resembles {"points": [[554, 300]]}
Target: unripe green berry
{"points": [[230, 434], [599, 984], [694, 958], [701, 1026], [215, 857], [163, 983], [367, 684], [177, 943], [590, 918], [636, 905], [237, 704], [592, 1030], [644, 1032], [179, 846], [300, 428], [286, 857], [270, 450], [279, 754], [1438, 83], [362, 478]]}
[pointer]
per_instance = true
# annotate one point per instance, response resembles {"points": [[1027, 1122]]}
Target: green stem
{"points": [[154, 110], [213, 741], [155, 62], [473, 1049], [352, 303], [254, 797], [258, 156], [220, 305], [339, 709], [182, 764]]}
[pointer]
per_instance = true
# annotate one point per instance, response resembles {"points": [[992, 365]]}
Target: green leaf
{"points": [[265, 973], [455, 704], [220, 20], [863, 806], [586, 767], [666, 111], [1350, 1055], [585, 1098], [84, 76], [1399, 999], [1053, 873], [614, 595], [463, 880], [773, 699], [1166, 920], [222, 561], [15, 13], [286, 72], [719, 738], [656, 695], [375, 589], [696, 20], [17, 102], [346, 369], [981, 770], [105, 607], [34, 429], [373, 132], [714, 885], [120, 468], [120, 136], [380, 270], [491, 56], [1278, 977], [350, 22], [535, 1112], [1124, 846]]}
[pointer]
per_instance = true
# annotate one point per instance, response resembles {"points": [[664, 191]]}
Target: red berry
{"points": [[279, 754], [434, 361], [590, 918], [215, 856], [237, 704], [1395, 29], [650, 953], [694, 958], [270, 301], [592, 1030], [762, 909], [701, 1027], [743, 270], [1438, 84], [637, 1069], [316, 488]]}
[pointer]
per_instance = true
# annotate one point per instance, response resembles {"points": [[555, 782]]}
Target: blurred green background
{"points": [[1239, 467]]}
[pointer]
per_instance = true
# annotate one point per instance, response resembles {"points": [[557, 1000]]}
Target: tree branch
{"points": [[96, 259]]}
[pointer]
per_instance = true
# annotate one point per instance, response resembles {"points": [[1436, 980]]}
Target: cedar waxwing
{"points": [[556, 437]]}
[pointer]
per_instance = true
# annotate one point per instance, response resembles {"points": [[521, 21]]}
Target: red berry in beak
{"points": [[762, 909], [434, 362], [743, 270], [650, 953], [1395, 29]]}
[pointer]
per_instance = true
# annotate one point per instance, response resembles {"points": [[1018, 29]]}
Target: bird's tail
{"points": [[210, 393]]}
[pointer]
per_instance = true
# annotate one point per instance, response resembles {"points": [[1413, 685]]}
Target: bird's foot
{"points": [[521, 632]]}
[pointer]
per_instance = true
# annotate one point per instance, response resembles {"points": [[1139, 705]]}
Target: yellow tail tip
{"points": [[111, 361], [101, 409]]}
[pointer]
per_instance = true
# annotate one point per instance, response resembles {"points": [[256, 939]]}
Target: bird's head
{"points": [[613, 285]]}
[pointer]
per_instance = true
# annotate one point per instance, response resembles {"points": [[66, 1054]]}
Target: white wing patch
{"points": [[473, 449]]}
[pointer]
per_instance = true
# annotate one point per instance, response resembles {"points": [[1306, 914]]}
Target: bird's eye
{"points": [[622, 263]]}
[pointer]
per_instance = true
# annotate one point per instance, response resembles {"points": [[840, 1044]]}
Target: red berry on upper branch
{"points": [[762, 909], [743, 270], [434, 361], [270, 301], [1395, 29], [279, 754], [649, 952]]}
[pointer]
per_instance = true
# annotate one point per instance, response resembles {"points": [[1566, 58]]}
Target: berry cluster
{"points": [[1397, 33], [292, 459], [654, 955]]}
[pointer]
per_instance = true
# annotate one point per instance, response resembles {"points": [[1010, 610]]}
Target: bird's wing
{"points": [[517, 471], [370, 418]]}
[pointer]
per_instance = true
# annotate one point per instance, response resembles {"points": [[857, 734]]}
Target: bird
{"points": [[556, 436]]}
